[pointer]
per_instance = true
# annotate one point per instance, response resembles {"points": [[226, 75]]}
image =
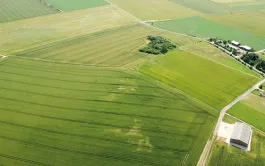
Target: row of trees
{"points": [[224, 44], [254, 60], [158, 45]]}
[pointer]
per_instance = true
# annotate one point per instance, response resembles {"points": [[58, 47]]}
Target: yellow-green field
{"points": [[24, 34], [204, 79], [75, 90], [251, 110], [224, 155], [155, 9], [252, 22], [247, 3], [231, 1], [210, 52], [76, 4], [115, 47], [63, 114]]}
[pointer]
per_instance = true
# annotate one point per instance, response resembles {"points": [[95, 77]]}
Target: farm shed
{"points": [[246, 48], [241, 136], [235, 43]]}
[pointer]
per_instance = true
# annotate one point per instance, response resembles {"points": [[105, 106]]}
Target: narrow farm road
{"points": [[207, 149], [239, 98]]}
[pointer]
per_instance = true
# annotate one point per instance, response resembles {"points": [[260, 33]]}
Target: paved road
{"points": [[225, 109]]}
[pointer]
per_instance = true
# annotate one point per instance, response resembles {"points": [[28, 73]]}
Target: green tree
{"points": [[234, 52]]}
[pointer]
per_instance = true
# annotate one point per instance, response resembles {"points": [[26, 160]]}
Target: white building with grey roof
{"points": [[238, 135], [241, 136], [235, 43]]}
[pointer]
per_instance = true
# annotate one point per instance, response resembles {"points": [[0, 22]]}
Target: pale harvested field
{"points": [[114, 47], [246, 3], [155, 9], [24, 34], [253, 22], [231, 1]]}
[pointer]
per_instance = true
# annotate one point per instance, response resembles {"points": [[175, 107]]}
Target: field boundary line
{"points": [[123, 11], [181, 48], [49, 5], [245, 122]]}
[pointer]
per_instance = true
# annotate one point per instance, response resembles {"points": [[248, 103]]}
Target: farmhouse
{"points": [[235, 43], [241, 136], [238, 135]]}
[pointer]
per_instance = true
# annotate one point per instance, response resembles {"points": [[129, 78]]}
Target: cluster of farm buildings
{"points": [[238, 135], [242, 49]]}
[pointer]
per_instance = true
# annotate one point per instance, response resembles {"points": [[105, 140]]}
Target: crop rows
{"points": [[57, 27], [224, 155], [61, 113], [116, 47], [11, 10]]}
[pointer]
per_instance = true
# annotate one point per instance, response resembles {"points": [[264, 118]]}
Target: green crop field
{"points": [[198, 26], [76, 4], [115, 47], [76, 90], [11, 10], [24, 34], [208, 81], [62, 114], [224, 155], [210, 52], [252, 22], [251, 110]]}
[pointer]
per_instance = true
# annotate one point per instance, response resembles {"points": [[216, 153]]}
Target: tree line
{"points": [[254, 60]]}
